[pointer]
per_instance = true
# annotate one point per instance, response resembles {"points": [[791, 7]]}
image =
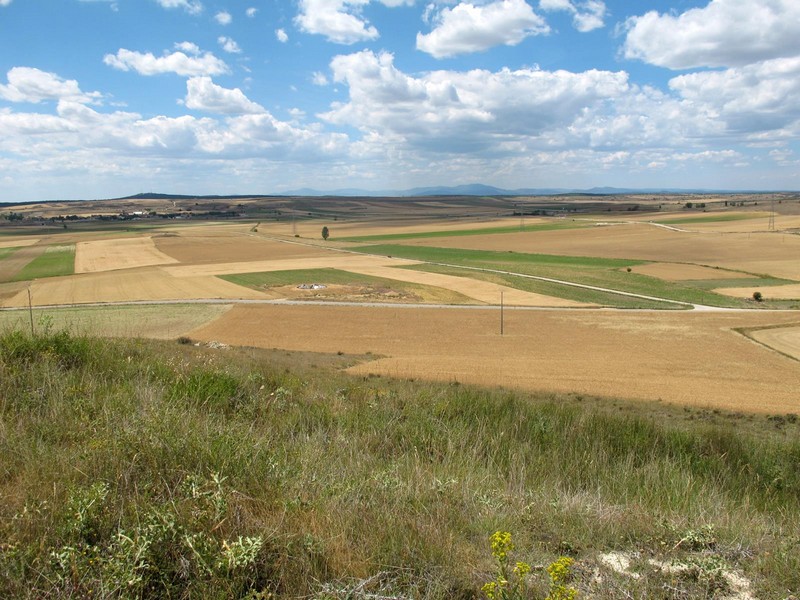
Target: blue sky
{"points": [[105, 98]]}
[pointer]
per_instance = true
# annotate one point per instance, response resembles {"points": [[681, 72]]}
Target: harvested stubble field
{"points": [[114, 254], [783, 339], [686, 358]]}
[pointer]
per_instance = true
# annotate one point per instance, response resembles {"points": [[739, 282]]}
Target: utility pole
{"points": [[501, 313], [30, 310], [771, 225]]}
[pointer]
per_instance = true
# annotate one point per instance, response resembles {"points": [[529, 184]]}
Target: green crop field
{"points": [[299, 276], [601, 272], [550, 289], [54, 262], [6, 252]]}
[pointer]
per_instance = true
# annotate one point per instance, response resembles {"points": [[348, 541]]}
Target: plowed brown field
{"points": [[688, 358], [682, 272], [196, 246]]}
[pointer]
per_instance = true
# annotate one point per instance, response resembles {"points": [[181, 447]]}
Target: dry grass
{"points": [[155, 322]]}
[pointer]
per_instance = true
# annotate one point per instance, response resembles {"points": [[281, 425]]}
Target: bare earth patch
{"points": [[686, 358], [483, 291], [110, 255], [682, 272]]}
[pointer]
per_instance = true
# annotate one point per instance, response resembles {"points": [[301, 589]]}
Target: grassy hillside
{"points": [[164, 470]]}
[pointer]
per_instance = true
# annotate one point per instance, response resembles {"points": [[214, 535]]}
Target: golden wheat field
{"points": [[684, 358], [745, 359]]}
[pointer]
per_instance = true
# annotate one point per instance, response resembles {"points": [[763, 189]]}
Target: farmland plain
{"points": [[641, 299], [354, 417]]}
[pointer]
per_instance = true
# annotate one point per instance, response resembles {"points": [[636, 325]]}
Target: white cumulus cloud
{"points": [[251, 12], [471, 27], [193, 7], [724, 33], [229, 45], [586, 16], [177, 62], [754, 98], [281, 36], [340, 21], [465, 111], [203, 94], [223, 17], [27, 84]]}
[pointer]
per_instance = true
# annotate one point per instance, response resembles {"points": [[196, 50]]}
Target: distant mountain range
{"points": [[475, 189]]}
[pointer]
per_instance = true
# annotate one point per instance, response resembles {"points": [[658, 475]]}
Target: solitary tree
{"points": [[325, 233]]}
